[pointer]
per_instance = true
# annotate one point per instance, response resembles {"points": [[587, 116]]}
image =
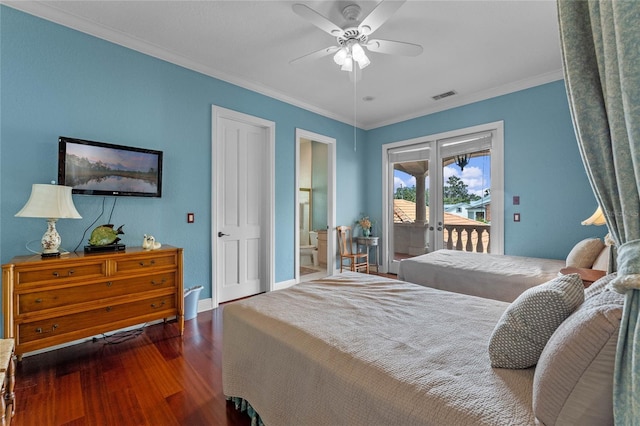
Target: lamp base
{"points": [[56, 254]]}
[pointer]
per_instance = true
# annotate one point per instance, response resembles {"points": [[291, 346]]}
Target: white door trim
{"points": [[497, 182], [331, 199], [217, 114]]}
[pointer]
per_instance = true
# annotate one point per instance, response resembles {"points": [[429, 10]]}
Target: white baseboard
{"points": [[205, 304], [284, 284]]}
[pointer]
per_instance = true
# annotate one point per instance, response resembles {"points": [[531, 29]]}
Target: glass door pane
{"points": [[410, 221], [466, 201]]}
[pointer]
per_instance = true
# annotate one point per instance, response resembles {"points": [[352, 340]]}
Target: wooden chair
{"points": [[357, 261]]}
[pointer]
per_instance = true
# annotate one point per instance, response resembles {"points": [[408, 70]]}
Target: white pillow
{"points": [[602, 261], [525, 327], [583, 254], [573, 382]]}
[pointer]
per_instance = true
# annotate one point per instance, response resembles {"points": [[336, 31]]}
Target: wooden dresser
{"points": [[51, 301]]}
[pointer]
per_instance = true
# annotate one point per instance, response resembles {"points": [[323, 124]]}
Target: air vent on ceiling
{"points": [[444, 95]]}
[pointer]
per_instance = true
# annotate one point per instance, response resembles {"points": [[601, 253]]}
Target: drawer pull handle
{"points": [[69, 273], [109, 283], [154, 282], [154, 306], [153, 262], [108, 309], [56, 274], [53, 328], [38, 300]]}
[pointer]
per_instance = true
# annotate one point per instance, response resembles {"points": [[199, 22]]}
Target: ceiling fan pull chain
{"points": [[355, 114]]}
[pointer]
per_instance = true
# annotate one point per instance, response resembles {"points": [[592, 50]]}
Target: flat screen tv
{"points": [[98, 168]]}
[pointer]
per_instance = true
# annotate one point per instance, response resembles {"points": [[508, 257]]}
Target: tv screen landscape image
{"points": [[98, 168]]}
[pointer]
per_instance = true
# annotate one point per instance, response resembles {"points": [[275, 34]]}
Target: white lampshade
{"points": [[50, 202], [347, 65], [340, 56], [359, 56], [597, 218]]}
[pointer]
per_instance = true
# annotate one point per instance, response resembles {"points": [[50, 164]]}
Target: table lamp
{"points": [[51, 202], [597, 218]]}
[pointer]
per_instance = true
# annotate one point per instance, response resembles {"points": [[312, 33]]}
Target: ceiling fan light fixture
{"points": [[340, 56], [359, 56], [347, 65]]}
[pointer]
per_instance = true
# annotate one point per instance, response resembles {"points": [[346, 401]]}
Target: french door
{"points": [[439, 194]]}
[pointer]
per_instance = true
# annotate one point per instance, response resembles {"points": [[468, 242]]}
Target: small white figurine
{"points": [[149, 243]]}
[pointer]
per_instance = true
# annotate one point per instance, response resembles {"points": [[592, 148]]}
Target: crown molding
{"points": [[50, 13], [483, 95]]}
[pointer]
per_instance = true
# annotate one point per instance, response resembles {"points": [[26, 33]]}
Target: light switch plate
{"points": [[516, 217]]}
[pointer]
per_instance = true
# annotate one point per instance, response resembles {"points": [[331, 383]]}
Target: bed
{"points": [[495, 276], [361, 349], [356, 349], [491, 276]]}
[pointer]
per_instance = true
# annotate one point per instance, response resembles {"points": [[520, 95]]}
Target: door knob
{"points": [[220, 234]]}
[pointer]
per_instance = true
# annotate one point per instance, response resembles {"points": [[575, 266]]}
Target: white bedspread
{"points": [[492, 276], [356, 349]]}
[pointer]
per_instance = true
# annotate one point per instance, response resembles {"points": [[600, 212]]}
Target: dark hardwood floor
{"points": [[155, 378]]}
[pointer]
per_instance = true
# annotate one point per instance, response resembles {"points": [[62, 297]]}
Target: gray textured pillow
{"points": [[573, 382], [525, 327], [599, 286], [583, 254]]}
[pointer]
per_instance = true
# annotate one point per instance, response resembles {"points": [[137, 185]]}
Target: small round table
{"points": [[369, 242]]}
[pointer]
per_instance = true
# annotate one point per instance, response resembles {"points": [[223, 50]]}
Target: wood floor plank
{"points": [[156, 378], [68, 398]]}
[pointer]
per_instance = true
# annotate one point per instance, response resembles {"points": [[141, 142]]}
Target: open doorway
{"points": [[315, 213]]}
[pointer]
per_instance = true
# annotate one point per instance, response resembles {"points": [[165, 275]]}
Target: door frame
{"points": [[331, 199], [497, 182], [219, 113]]}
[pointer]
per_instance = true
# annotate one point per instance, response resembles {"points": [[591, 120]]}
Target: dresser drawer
{"points": [[48, 299], [60, 272], [143, 263], [59, 326], [52, 301]]}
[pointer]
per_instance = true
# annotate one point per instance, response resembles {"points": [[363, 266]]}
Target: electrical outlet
{"points": [[516, 200]]}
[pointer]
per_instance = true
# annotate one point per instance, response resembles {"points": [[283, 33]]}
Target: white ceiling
{"points": [[480, 49]]}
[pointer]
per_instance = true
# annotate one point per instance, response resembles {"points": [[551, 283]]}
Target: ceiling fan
{"points": [[355, 36]]}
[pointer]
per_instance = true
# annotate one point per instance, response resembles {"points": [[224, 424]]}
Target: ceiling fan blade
{"points": [[315, 55], [379, 15], [394, 47], [316, 19]]}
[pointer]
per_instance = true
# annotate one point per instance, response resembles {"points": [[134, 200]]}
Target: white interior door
{"points": [[240, 223]]}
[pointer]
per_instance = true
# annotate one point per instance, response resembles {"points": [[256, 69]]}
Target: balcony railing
{"points": [[410, 239], [475, 238]]}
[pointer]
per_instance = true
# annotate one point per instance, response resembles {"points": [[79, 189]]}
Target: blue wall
{"points": [[541, 164], [56, 81]]}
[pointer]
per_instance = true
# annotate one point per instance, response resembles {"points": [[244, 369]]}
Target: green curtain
{"points": [[601, 53]]}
